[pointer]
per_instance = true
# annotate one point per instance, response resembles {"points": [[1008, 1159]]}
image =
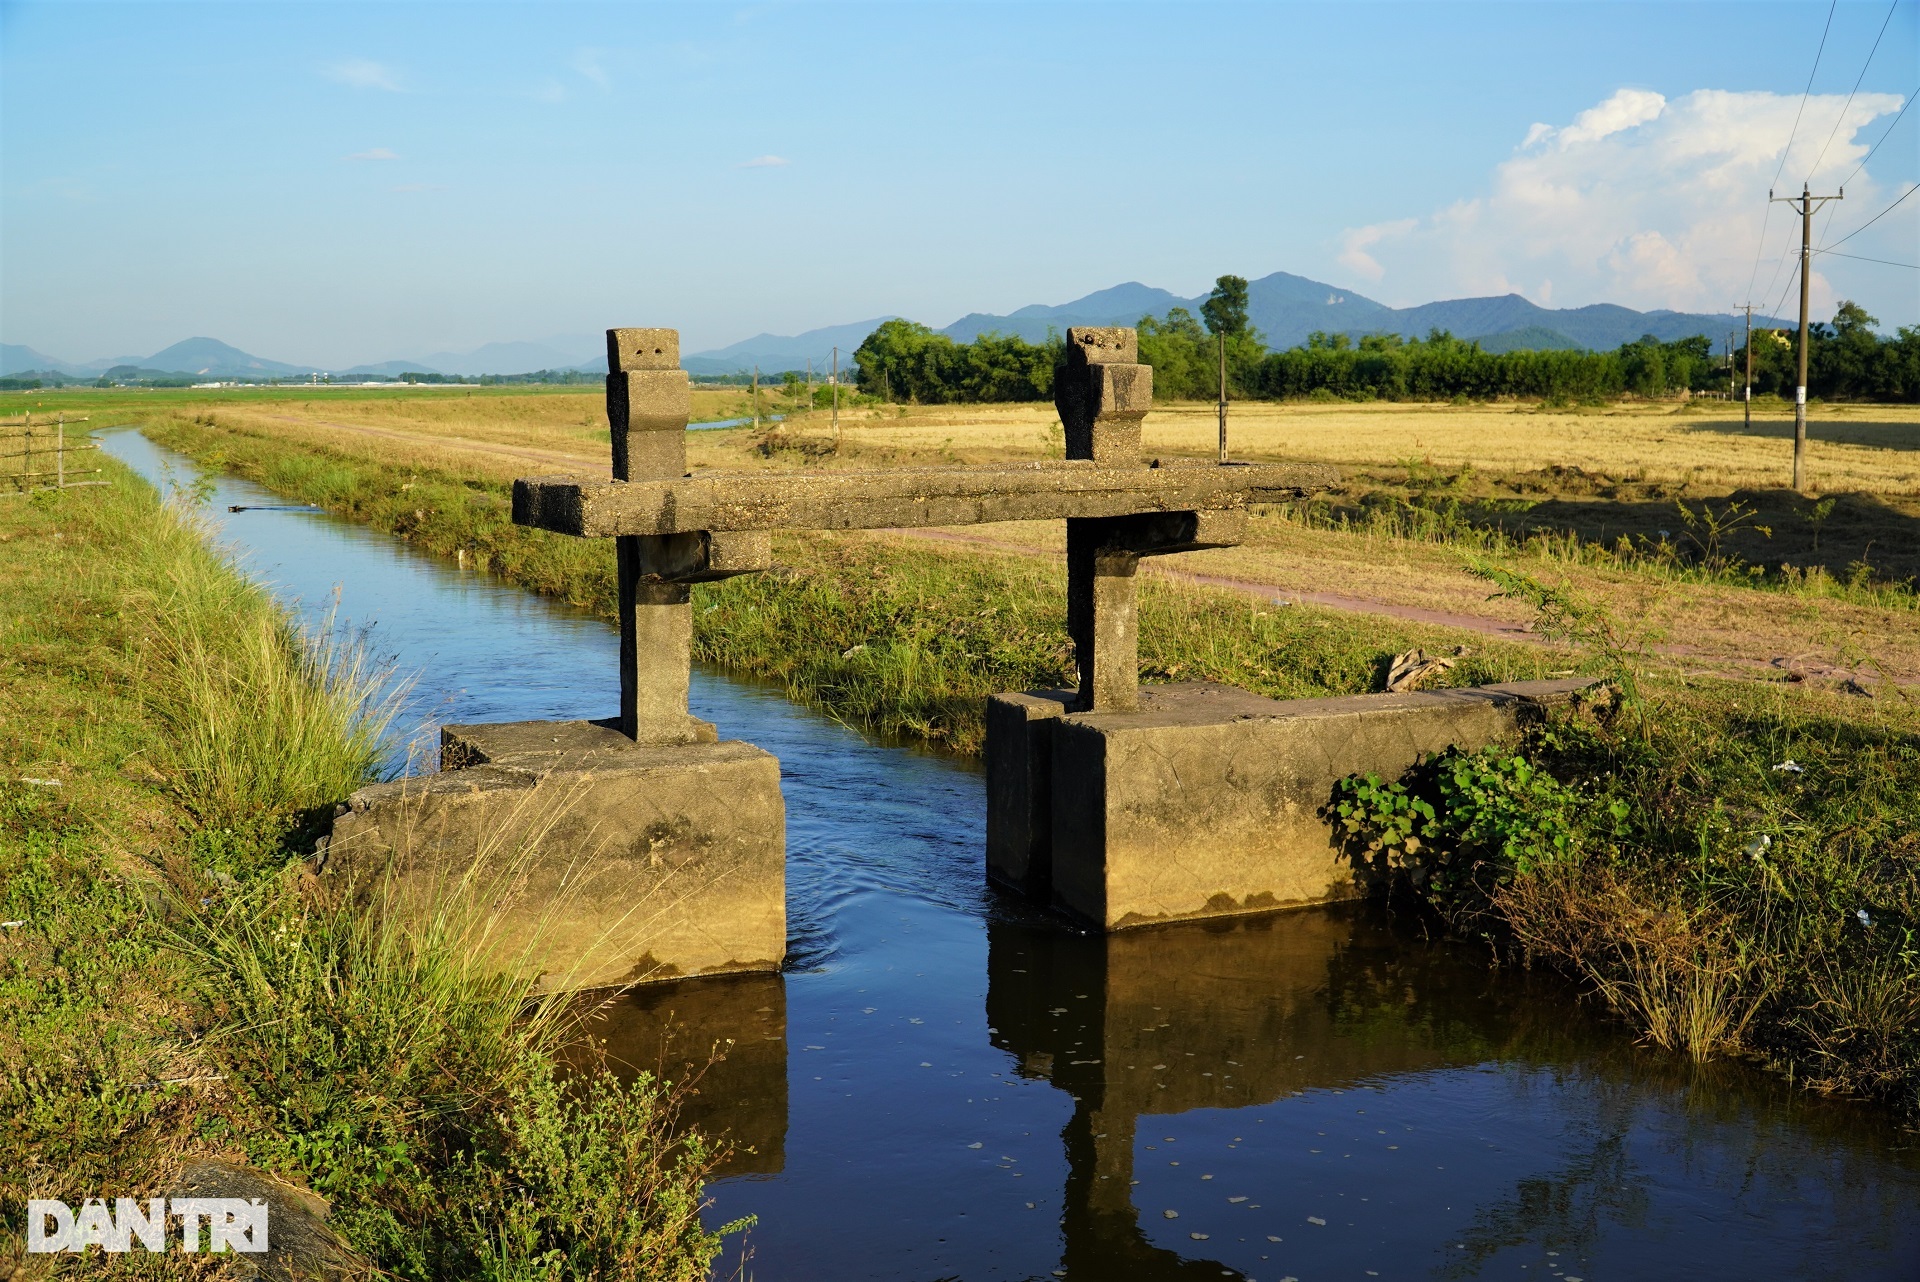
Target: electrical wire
{"points": [[1842, 117], [1805, 93], [1871, 221], [1760, 248], [1884, 262], [1883, 137]]}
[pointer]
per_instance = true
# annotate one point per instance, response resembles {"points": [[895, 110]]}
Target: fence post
{"points": [[60, 454]]}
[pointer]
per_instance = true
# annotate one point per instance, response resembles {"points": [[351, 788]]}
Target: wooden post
{"points": [[1220, 342], [1749, 392], [60, 454], [1806, 203], [836, 398], [756, 398], [1800, 390]]}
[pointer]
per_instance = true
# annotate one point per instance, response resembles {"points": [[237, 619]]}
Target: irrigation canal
{"points": [[945, 1085]]}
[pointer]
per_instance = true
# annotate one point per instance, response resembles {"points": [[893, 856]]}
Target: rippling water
{"points": [[947, 1084]]}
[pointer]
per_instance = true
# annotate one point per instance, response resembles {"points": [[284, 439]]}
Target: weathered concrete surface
{"points": [[1208, 800], [1103, 554], [1020, 789], [1103, 394], [593, 507], [604, 861]]}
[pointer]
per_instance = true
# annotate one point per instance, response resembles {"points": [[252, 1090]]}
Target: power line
{"points": [[1784, 253], [1805, 92], [1883, 137], [1841, 118], [1876, 218], [1884, 262], [1760, 248]]}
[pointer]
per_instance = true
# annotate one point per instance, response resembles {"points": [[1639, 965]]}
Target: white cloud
{"points": [[1641, 200], [363, 73], [1626, 109], [764, 162], [377, 153], [1353, 246], [591, 65]]}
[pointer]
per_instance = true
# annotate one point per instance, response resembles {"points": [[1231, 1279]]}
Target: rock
{"points": [[299, 1243]]}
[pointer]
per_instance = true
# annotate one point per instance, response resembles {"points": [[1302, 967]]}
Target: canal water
{"points": [[945, 1084]]}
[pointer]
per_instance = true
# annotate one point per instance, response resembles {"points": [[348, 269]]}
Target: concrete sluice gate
{"points": [[643, 847]]}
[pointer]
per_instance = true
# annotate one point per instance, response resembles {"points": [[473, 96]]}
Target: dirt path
{"points": [[554, 458], [1275, 592]]}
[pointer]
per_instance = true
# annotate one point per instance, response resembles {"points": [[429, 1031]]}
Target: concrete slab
{"points": [[1208, 800], [593, 860]]}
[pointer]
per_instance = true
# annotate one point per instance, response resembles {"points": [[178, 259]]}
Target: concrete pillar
{"points": [[648, 405], [1102, 393], [1102, 619]]}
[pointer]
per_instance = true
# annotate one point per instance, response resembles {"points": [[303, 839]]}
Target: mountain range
{"points": [[1283, 307]]}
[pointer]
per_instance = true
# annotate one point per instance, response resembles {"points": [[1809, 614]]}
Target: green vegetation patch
{"points": [[1732, 867]]}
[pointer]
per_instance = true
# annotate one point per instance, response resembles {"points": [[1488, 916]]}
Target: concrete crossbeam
{"points": [[898, 498]]}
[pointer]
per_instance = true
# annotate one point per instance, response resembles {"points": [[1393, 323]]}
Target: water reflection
{"points": [[727, 1034], [1310, 1010]]}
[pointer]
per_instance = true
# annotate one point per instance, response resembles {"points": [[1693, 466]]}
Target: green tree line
{"points": [[903, 361]]}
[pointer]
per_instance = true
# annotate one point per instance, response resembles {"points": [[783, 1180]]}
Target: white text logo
{"points": [[232, 1224]]}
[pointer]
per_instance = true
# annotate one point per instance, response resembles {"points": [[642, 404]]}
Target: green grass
{"points": [[180, 983]]}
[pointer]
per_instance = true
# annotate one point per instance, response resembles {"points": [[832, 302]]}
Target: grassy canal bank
{"points": [[178, 986], [1731, 865]]}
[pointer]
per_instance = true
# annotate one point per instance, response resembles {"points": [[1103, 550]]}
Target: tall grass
{"points": [[409, 1057], [259, 718], [203, 991]]}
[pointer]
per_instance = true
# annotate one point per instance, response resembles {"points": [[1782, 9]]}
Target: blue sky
{"points": [[340, 183]]}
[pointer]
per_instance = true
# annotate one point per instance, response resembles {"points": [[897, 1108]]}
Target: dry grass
{"points": [[1598, 473]]}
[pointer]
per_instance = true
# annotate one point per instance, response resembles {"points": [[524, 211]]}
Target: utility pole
{"points": [[1749, 393], [1220, 344], [1805, 203], [809, 384], [836, 398]]}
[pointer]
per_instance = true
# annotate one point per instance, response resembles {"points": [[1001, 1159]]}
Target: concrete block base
{"points": [[585, 857], [1208, 800]]}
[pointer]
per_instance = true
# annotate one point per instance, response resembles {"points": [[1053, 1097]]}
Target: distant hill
{"points": [[17, 358], [1529, 338], [1286, 308], [388, 369], [210, 358], [511, 358], [774, 353], [1121, 305]]}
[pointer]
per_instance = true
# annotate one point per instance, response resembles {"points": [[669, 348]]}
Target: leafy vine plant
{"points": [[1461, 824]]}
